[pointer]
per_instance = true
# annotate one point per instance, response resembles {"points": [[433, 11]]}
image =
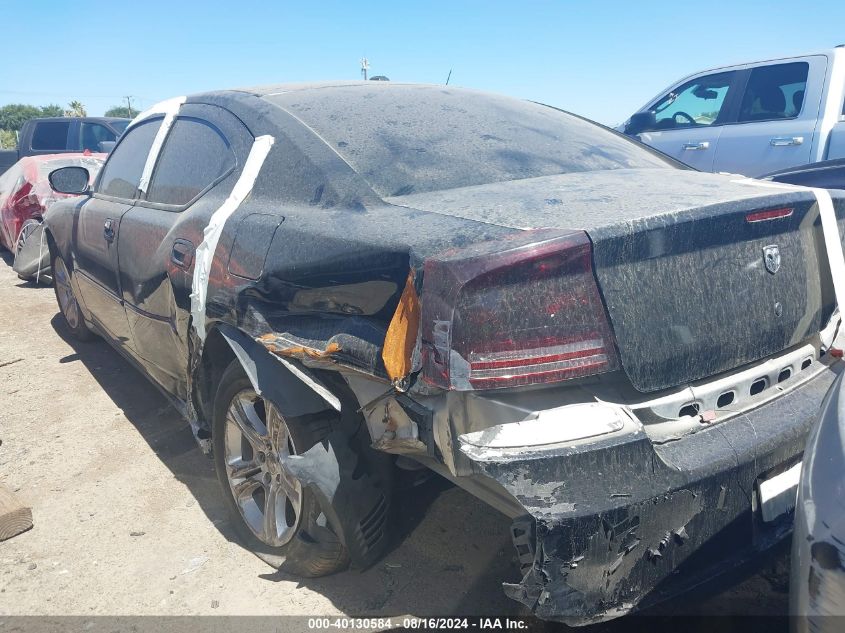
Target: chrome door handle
{"points": [[701, 145], [783, 141], [108, 230]]}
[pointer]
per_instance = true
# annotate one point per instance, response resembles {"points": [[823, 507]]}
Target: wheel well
{"points": [[216, 356]]}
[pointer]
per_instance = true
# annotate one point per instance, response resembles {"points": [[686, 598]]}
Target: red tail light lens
{"points": [[515, 312]]}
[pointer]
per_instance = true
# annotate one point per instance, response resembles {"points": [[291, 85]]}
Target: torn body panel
{"points": [[350, 480], [612, 522]]}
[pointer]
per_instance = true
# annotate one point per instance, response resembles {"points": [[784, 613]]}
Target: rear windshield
{"points": [[413, 139]]}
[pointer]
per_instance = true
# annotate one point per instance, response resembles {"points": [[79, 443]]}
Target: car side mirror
{"points": [[640, 122], [106, 146], [72, 180]]}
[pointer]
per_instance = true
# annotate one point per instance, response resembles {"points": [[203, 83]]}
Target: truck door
{"points": [[688, 119], [776, 119], [94, 246]]}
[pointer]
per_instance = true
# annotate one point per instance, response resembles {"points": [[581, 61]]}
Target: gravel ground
{"points": [[128, 518]]}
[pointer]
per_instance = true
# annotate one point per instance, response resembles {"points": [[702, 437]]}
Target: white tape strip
{"points": [[830, 231], [170, 108], [162, 107], [211, 235]]}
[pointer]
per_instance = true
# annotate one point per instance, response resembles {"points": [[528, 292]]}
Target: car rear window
{"points": [[194, 156], [50, 135], [413, 139]]}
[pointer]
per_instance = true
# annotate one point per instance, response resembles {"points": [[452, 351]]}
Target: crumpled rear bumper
{"points": [[620, 523]]}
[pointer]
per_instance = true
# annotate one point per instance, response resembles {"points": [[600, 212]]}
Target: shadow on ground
{"points": [[451, 554]]}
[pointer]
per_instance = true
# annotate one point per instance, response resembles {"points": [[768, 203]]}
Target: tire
{"points": [[248, 435], [65, 297], [30, 226]]}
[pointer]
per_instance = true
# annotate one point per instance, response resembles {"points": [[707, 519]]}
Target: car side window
{"points": [[774, 92], [92, 134], [50, 135], [122, 171], [194, 156], [697, 103]]}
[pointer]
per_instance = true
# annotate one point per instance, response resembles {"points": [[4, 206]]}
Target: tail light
{"points": [[514, 312]]}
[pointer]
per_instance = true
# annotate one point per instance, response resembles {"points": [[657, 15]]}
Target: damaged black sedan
{"points": [[621, 354]]}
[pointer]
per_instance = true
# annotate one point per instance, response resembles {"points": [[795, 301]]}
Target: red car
{"points": [[25, 191]]}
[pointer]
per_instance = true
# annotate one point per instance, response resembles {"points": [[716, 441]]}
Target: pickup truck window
{"points": [[122, 172], [774, 92], [693, 104], [92, 134], [50, 135], [194, 156]]}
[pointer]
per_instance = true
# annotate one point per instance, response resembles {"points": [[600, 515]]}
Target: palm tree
{"points": [[76, 109]]}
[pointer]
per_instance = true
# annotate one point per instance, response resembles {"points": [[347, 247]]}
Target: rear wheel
{"points": [[68, 304], [274, 514]]}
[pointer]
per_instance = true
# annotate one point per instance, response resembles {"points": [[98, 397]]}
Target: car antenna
{"points": [[449, 76]]}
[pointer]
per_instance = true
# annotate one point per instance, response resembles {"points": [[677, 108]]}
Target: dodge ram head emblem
{"points": [[771, 258]]}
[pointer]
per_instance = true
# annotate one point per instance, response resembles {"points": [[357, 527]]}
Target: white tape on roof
{"points": [[211, 235], [830, 231], [162, 107], [170, 108]]}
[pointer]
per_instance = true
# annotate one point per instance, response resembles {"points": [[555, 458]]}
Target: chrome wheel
{"points": [[64, 291], [256, 440]]}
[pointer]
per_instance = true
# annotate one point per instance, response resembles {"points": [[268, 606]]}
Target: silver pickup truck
{"points": [[752, 118]]}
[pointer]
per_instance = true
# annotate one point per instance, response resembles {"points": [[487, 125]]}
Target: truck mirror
{"points": [[640, 122], [72, 180]]}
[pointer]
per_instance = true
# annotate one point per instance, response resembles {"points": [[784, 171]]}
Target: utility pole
{"points": [[129, 104], [365, 65]]}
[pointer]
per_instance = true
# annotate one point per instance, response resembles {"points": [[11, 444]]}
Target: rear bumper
{"points": [[619, 522]]}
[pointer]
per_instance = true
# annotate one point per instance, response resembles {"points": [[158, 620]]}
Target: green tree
{"points": [[75, 108], [122, 111], [8, 139], [52, 110], [14, 115]]}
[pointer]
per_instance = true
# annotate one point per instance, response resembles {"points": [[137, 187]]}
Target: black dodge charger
{"points": [[333, 281]]}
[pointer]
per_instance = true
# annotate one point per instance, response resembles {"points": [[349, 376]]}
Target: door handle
{"points": [[783, 141], [182, 254], [701, 145], [108, 230]]}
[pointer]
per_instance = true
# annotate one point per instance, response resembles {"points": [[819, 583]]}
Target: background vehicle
{"points": [[817, 584], [25, 192], [322, 276], [829, 174], [58, 135], [753, 118]]}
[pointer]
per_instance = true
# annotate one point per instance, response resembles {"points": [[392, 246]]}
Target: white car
{"points": [[752, 118]]}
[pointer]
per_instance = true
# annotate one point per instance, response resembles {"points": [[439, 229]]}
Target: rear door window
{"points": [[92, 134], [195, 155], [122, 172], [697, 103], [50, 135], [774, 92]]}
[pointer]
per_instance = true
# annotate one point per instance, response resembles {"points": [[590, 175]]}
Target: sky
{"points": [[599, 59]]}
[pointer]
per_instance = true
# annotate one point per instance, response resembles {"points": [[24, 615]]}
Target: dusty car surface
{"points": [[612, 349], [25, 192]]}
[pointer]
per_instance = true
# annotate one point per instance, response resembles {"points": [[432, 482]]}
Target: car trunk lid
{"points": [[681, 261]]}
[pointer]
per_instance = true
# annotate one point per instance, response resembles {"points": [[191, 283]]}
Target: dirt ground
{"points": [[128, 518]]}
